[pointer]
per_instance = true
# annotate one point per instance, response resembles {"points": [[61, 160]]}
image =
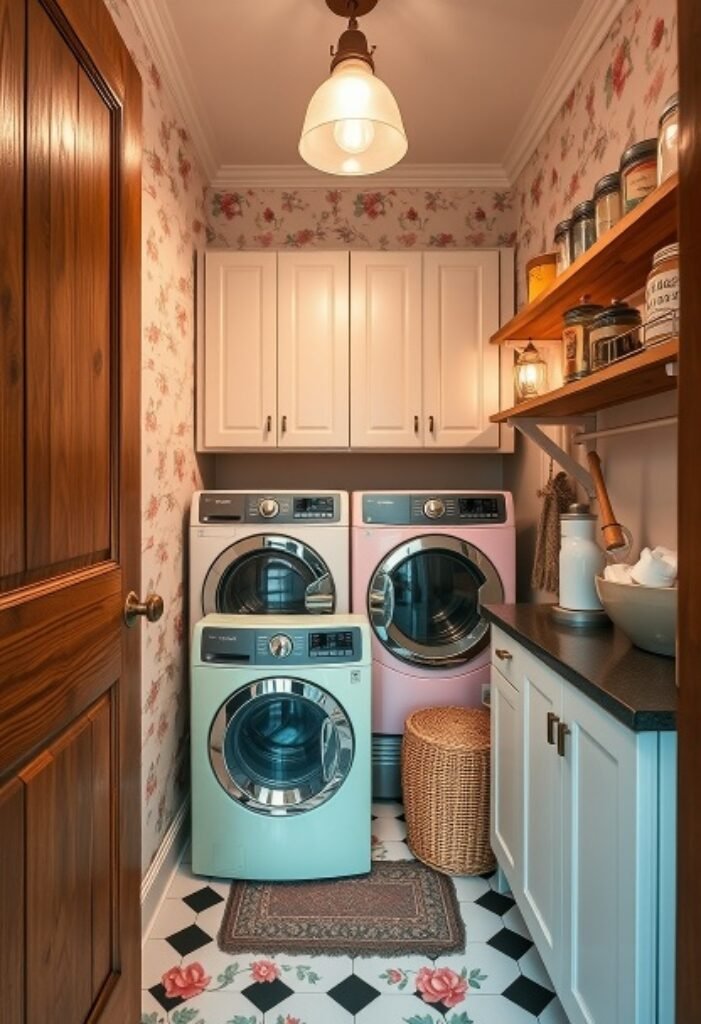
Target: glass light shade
{"points": [[353, 124], [530, 374]]}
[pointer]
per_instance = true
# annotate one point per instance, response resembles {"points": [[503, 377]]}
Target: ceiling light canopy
{"points": [[353, 125]]}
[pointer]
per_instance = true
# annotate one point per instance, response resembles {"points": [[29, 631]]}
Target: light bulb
{"points": [[354, 134]]}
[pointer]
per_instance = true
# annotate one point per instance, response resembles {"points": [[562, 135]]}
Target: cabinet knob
{"points": [[552, 719], [503, 655], [283, 425], [562, 731]]}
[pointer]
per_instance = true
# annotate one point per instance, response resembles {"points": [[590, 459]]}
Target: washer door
{"points": [[269, 574], [424, 601], [281, 746]]}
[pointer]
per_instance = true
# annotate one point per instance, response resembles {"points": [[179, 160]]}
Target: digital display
{"points": [[487, 507], [313, 507], [336, 645]]}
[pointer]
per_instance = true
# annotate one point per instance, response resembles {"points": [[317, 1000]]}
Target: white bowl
{"points": [[647, 615]]}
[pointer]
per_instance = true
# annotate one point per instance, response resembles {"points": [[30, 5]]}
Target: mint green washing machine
{"points": [[280, 746]]}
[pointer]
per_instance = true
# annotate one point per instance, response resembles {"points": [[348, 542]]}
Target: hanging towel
{"points": [[558, 494]]}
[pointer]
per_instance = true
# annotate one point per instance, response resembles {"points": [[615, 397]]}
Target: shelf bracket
{"points": [[531, 428]]}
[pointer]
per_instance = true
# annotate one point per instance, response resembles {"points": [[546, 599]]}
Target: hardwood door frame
{"points": [[688, 977]]}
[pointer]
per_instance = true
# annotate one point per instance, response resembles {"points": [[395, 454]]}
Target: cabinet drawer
{"points": [[505, 652]]}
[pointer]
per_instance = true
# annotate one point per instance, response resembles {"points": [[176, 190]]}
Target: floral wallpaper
{"points": [[333, 218], [616, 102], [173, 227]]}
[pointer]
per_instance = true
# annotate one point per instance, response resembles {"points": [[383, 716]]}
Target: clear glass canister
{"points": [[607, 202], [662, 295], [668, 139], [575, 339], [638, 172], [583, 228], [563, 245]]}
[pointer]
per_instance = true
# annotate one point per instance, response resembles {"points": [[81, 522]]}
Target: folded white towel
{"points": [[618, 573], [654, 570], [669, 555]]}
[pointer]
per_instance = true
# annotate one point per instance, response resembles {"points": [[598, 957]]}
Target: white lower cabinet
{"points": [[583, 828]]}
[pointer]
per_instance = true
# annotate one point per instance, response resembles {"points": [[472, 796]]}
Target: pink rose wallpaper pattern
{"points": [[173, 228], [336, 218], [616, 102]]}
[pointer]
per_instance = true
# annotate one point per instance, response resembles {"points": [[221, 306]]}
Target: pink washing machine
{"points": [[422, 567]]}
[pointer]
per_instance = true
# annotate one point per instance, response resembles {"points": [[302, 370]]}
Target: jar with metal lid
{"points": [[662, 295], [563, 245], [638, 172], [668, 139], [607, 202], [575, 339], [583, 228], [614, 333]]}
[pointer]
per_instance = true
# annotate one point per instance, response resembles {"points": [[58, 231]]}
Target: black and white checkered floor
{"points": [[499, 979]]}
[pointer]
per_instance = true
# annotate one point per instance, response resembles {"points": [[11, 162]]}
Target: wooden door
{"points": [[506, 789], [238, 389], [70, 184], [461, 368], [312, 350], [386, 362]]}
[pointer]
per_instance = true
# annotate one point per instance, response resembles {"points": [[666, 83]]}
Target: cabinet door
{"points": [[541, 693], [461, 368], [313, 350], [386, 362], [609, 896], [507, 778], [239, 387]]}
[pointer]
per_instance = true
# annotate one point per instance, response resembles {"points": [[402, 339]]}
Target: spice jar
{"points": [[667, 139], [638, 172], [583, 228], [540, 274], [563, 252], [614, 333], [662, 295], [607, 202], [575, 339]]}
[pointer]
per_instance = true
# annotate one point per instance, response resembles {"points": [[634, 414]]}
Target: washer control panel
{"points": [[227, 507], [424, 509], [223, 645]]}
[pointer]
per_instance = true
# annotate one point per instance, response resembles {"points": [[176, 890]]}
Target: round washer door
{"points": [[425, 597], [268, 574], [281, 745]]}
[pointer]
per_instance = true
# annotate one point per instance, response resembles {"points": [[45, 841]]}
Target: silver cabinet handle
{"points": [[503, 655], [283, 425]]}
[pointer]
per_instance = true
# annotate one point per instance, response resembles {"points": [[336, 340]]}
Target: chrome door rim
{"points": [[381, 603], [279, 801], [320, 596]]}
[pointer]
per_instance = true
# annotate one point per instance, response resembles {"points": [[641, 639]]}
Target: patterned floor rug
{"points": [[399, 909]]}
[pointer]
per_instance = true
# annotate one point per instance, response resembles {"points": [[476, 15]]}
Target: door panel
{"points": [[507, 779], [12, 901], [11, 288]]}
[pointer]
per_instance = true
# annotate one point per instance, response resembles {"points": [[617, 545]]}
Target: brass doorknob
{"points": [[151, 608]]}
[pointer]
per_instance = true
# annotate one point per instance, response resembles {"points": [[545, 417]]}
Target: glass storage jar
{"points": [[563, 245], [575, 339], [614, 333], [607, 202], [662, 295], [638, 172], [583, 228], [668, 139]]}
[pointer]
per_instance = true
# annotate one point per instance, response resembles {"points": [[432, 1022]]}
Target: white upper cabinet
{"points": [[461, 369], [313, 350], [239, 407], [386, 344]]}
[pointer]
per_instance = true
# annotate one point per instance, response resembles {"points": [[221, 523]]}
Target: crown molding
{"points": [[156, 26], [578, 48], [405, 175]]}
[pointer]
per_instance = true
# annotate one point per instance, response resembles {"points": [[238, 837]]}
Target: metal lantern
{"points": [[530, 373]]}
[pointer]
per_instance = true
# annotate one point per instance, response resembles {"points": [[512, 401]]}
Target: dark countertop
{"points": [[637, 688]]}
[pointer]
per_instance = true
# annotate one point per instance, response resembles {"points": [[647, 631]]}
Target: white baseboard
{"points": [[157, 879]]}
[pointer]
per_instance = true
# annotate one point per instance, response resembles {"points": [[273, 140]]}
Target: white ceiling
{"points": [[465, 72]]}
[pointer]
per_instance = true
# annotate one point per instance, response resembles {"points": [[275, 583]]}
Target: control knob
{"points": [[268, 508], [280, 646], [434, 508]]}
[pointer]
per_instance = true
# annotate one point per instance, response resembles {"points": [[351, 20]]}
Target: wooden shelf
{"points": [[613, 268], [638, 376]]}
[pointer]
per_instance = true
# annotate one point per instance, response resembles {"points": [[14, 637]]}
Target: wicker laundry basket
{"points": [[445, 778]]}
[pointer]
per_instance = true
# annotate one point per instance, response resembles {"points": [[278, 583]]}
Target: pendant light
{"points": [[353, 125]]}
